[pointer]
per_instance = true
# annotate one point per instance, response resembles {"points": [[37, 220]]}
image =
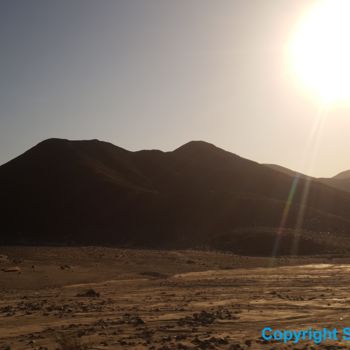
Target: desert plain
{"points": [[107, 298]]}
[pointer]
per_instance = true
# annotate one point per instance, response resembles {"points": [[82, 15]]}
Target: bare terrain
{"points": [[106, 298]]}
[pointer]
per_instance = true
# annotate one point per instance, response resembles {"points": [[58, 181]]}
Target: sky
{"points": [[155, 74]]}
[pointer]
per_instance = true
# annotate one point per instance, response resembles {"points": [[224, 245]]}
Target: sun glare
{"points": [[320, 50]]}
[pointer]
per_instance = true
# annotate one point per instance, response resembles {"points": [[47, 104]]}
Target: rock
{"points": [[203, 318], [12, 269], [153, 274], [90, 293], [133, 319], [248, 342], [235, 346]]}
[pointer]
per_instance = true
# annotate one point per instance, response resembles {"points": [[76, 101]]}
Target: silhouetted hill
{"points": [[340, 181], [343, 175], [198, 196]]}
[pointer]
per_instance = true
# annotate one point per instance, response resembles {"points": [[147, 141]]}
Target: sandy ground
{"points": [[105, 298]]}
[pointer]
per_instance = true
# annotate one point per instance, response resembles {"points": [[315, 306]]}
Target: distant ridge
{"points": [[197, 196], [340, 181]]}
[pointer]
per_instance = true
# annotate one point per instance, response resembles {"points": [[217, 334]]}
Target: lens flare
{"points": [[302, 184]]}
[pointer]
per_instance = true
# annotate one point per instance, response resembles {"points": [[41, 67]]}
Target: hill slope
{"points": [[340, 181], [285, 170], [196, 196]]}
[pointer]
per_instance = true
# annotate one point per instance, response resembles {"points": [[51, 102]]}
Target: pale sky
{"points": [[148, 74]]}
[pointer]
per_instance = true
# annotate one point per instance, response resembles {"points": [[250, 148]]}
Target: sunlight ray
{"points": [[309, 157]]}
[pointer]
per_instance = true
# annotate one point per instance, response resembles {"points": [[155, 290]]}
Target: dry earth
{"points": [[106, 298]]}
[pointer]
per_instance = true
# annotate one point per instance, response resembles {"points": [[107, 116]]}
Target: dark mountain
{"points": [[198, 196], [340, 181]]}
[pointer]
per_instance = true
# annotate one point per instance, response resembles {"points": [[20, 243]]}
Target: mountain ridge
{"points": [[340, 181], [93, 192]]}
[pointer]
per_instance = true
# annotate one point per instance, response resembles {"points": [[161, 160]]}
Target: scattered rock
{"points": [[205, 318], [6, 347]]}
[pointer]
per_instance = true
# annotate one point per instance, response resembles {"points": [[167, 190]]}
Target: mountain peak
{"points": [[56, 140], [197, 146]]}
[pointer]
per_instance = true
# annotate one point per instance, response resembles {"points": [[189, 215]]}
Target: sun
{"points": [[320, 50]]}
